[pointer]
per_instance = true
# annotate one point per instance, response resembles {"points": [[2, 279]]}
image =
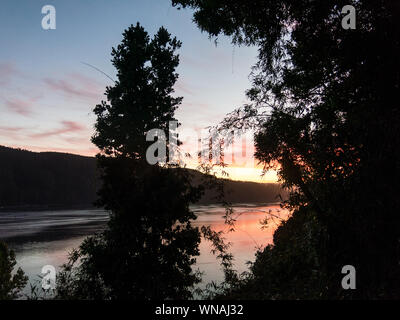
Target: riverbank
{"points": [[27, 208]]}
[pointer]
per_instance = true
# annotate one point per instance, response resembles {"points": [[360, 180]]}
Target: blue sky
{"points": [[47, 94]]}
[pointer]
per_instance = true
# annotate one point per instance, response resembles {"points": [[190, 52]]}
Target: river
{"points": [[46, 238]]}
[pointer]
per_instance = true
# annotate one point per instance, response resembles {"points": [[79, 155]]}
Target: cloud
{"points": [[22, 106], [11, 132], [14, 97], [8, 70], [67, 127], [76, 85]]}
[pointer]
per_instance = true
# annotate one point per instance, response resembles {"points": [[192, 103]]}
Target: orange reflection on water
{"points": [[246, 239]]}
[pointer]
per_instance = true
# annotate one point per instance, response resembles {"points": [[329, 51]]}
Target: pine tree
{"points": [[149, 246]]}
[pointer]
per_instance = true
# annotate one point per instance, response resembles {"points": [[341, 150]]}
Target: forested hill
{"points": [[46, 179], [54, 180]]}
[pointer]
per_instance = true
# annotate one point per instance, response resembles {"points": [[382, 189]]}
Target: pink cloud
{"points": [[11, 132], [67, 127], [22, 106], [78, 140], [76, 85]]}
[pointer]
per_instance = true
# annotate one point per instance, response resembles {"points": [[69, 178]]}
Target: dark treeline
{"points": [[54, 180], [46, 179], [243, 191]]}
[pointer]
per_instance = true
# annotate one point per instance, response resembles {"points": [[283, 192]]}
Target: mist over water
{"points": [[46, 238]]}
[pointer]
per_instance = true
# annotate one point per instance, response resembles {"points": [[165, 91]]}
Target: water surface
{"points": [[46, 238]]}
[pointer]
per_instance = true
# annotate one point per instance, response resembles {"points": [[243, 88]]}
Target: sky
{"points": [[48, 92]]}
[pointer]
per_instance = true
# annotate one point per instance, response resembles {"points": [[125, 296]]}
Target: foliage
{"points": [[325, 110], [11, 283]]}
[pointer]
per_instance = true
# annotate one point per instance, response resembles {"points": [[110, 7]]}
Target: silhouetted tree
{"points": [[149, 246], [325, 108], [11, 283]]}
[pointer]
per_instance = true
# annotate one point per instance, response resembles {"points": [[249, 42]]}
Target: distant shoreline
{"points": [[39, 208], [56, 181]]}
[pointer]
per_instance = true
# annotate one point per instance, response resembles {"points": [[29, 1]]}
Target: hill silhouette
{"points": [[52, 180]]}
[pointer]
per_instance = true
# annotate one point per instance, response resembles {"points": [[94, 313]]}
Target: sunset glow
{"points": [[47, 102]]}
